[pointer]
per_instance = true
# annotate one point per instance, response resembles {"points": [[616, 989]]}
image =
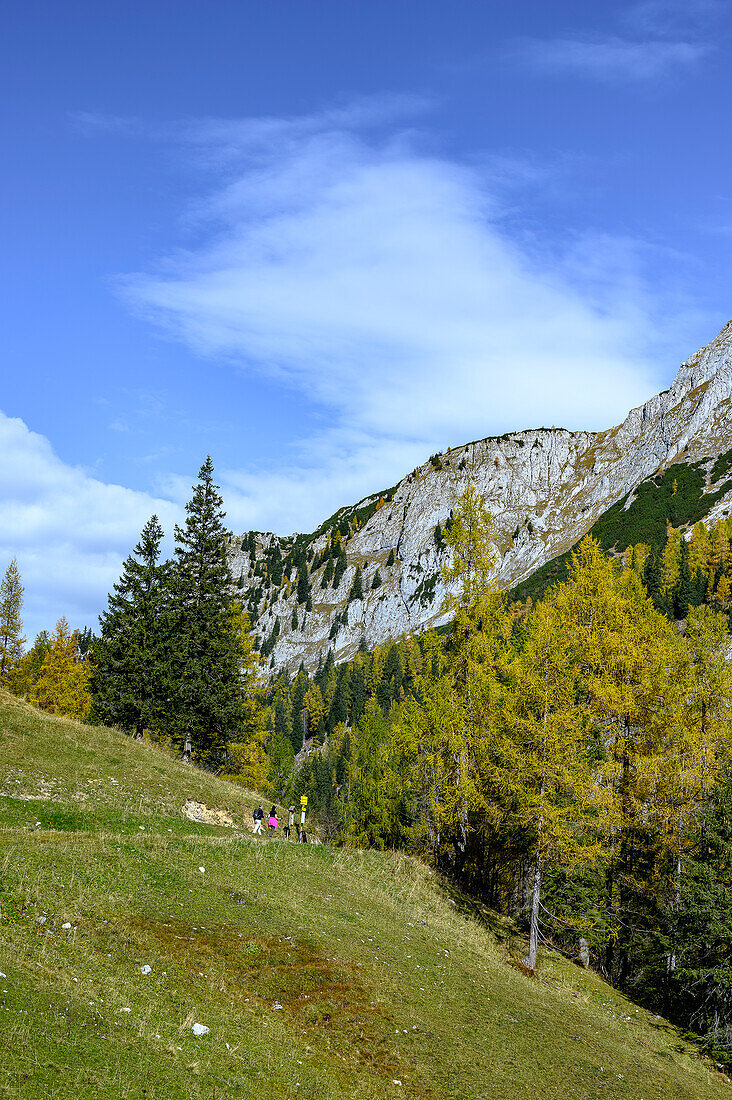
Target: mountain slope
{"points": [[386, 986], [545, 487]]}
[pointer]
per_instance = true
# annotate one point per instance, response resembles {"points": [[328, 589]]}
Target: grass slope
{"points": [[387, 985]]}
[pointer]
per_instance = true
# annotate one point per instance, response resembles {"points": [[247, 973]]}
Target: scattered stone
{"points": [[146, 969], [278, 1006], [200, 1029], [42, 920], [202, 870], [2, 975], [67, 924], [125, 1010]]}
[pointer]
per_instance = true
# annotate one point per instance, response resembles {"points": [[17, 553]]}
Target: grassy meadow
{"points": [[320, 973]]}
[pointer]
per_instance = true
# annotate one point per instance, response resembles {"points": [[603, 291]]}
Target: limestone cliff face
{"points": [[545, 488]]}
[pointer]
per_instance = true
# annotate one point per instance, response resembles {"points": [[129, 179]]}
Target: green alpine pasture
{"points": [[319, 972]]}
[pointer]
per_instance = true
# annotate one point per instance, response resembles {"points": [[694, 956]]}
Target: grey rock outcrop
{"points": [[545, 487]]}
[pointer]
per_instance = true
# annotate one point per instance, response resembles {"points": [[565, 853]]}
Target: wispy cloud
{"points": [[381, 283], [610, 58], [653, 39]]}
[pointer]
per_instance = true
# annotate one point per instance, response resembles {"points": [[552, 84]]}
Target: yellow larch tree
{"points": [[633, 671], [450, 730], [63, 685], [547, 769]]}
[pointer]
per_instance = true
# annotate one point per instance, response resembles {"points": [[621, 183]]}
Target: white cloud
{"points": [[610, 58], [382, 284], [68, 530]]}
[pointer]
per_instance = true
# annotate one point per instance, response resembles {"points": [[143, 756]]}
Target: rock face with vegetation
{"points": [[372, 571]]}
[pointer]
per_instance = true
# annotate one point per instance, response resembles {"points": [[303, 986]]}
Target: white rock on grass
{"points": [[146, 969], [200, 1029], [202, 870], [67, 924]]}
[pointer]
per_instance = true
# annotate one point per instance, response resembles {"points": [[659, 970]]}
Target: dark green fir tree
{"points": [[340, 567], [703, 971], [683, 593], [303, 584], [207, 693], [356, 592], [131, 654], [327, 574]]}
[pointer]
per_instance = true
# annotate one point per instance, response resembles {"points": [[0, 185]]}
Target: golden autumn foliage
{"points": [[63, 684]]}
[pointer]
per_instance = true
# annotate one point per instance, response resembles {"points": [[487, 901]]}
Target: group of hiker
{"points": [[273, 823]]}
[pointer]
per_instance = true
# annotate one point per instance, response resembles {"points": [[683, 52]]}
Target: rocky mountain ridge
{"points": [[545, 487]]}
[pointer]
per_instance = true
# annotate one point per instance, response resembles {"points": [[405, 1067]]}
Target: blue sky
{"points": [[321, 240]]}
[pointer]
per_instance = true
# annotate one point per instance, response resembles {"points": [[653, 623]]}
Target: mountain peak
{"points": [[545, 488]]}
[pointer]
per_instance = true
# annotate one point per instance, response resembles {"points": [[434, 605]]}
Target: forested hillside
{"points": [[566, 760]]}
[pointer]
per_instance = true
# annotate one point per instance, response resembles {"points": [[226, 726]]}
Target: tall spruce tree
{"points": [[340, 567], [683, 593], [11, 623], [207, 699], [131, 654], [356, 592], [703, 979]]}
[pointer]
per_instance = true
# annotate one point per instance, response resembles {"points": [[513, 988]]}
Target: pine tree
{"points": [[282, 718], [327, 574], [340, 567], [702, 976], [207, 701], [299, 690], [356, 592], [133, 648], [376, 582], [683, 593], [11, 623], [303, 584], [390, 560], [377, 814]]}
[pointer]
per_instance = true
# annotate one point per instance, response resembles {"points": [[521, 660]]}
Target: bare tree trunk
{"points": [[188, 747], [526, 876], [530, 959]]}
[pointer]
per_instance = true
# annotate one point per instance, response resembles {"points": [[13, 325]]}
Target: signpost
{"points": [[303, 809]]}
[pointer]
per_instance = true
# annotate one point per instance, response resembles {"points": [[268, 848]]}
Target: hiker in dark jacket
{"points": [[258, 816]]}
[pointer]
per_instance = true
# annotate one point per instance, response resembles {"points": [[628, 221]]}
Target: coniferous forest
{"points": [[566, 760]]}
